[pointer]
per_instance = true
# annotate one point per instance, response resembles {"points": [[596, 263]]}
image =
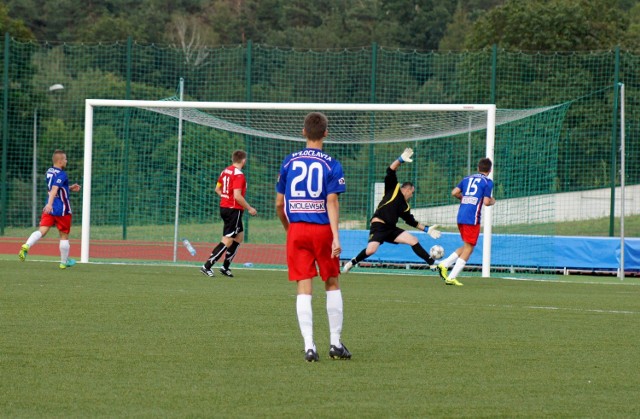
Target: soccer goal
{"points": [[150, 169]]}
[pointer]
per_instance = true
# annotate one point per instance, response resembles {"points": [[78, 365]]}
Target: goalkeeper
{"points": [[394, 205]]}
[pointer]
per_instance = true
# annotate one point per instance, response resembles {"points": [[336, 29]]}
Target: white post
{"points": [[622, 175], [488, 213], [86, 187], [178, 164]]}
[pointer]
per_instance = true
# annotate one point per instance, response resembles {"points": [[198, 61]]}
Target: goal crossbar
{"points": [[286, 105]]}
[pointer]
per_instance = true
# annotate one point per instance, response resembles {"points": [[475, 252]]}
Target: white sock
{"points": [[335, 314], [450, 260], [305, 320], [64, 251], [459, 266], [33, 238]]}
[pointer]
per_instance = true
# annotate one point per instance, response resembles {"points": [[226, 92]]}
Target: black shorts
{"points": [[232, 219], [381, 233]]}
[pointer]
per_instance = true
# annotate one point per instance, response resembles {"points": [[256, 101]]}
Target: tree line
{"points": [[425, 25]]}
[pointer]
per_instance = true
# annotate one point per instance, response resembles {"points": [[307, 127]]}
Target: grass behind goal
{"points": [[109, 340]]}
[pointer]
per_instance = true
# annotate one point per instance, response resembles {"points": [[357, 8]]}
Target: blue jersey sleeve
{"points": [[336, 183], [281, 185], [488, 191], [59, 179]]}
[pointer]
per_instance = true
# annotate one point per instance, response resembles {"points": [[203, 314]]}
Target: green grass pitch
{"points": [[164, 341]]}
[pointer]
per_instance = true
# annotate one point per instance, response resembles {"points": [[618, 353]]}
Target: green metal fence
{"points": [[37, 118]]}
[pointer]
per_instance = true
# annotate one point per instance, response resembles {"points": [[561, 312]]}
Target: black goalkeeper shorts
{"points": [[381, 233]]}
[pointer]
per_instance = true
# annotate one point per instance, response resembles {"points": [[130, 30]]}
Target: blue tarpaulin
{"points": [[556, 252]]}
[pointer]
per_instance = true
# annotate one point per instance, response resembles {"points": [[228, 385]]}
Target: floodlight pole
{"points": [[34, 197], [178, 168], [622, 176]]}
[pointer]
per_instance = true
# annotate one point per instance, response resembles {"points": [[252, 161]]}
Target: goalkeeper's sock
{"points": [[231, 253], [457, 268], [216, 253], [361, 256], [419, 250]]}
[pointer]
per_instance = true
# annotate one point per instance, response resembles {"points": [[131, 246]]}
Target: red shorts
{"points": [[62, 222], [307, 245], [469, 233]]}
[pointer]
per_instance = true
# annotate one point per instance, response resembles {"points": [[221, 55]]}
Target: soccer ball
{"points": [[436, 251]]}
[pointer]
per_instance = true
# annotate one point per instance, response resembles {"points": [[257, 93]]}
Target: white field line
{"points": [[583, 310]]}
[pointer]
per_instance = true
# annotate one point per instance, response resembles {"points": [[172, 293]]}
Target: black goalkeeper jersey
{"points": [[393, 204]]}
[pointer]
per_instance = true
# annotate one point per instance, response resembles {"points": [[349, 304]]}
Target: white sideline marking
{"points": [[583, 310], [564, 281]]}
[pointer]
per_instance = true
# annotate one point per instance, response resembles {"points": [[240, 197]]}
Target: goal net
{"points": [[150, 169]]}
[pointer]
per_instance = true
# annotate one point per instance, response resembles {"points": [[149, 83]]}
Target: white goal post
{"points": [[182, 108]]}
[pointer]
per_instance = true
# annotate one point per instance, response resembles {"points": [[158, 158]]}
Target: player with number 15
{"points": [[474, 192]]}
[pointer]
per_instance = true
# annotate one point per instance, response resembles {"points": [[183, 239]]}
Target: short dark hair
{"points": [[405, 184], [56, 154], [238, 156], [484, 165], [315, 125]]}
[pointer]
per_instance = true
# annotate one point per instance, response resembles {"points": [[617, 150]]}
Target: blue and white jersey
{"points": [[306, 178], [474, 189], [58, 177]]}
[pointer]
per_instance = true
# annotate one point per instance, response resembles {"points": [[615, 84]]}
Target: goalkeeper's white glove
{"points": [[433, 231], [406, 156]]}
